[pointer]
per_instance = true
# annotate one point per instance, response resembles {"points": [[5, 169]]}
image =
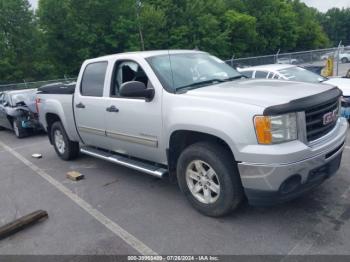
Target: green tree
{"points": [[19, 39], [276, 24], [241, 31], [79, 29], [336, 24], [152, 22], [310, 34], [64, 33]]}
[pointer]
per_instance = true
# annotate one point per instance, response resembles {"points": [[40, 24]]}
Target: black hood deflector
{"points": [[301, 104]]}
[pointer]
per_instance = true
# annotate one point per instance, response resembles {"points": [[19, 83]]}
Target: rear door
{"points": [[90, 105]]}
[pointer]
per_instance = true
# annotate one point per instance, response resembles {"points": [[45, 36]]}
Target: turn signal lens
{"points": [[276, 129], [263, 129]]}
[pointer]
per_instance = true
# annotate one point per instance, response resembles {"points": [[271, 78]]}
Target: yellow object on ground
{"points": [[329, 67]]}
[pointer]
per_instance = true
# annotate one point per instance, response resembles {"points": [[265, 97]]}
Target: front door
{"points": [[134, 127], [90, 105]]}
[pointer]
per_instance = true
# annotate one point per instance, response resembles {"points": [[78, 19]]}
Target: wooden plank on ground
{"points": [[21, 223]]}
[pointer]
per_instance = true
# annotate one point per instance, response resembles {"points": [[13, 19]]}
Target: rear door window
{"points": [[93, 79], [260, 74], [248, 74]]}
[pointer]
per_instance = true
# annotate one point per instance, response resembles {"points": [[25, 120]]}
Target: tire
{"points": [[20, 132], [226, 179], [344, 60], [65, 148]]}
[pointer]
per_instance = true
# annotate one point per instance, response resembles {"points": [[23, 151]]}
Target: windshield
{"points": [[186, 70], [300, 74]]}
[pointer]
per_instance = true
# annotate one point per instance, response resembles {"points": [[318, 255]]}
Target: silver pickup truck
{"points": [[189, 115]]}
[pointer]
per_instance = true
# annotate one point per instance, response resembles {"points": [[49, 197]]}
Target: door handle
{"points": [[80, 105], [112, 109]]}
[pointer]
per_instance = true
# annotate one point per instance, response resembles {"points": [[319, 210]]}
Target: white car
{"points": [[343, 57], [296, 73], [286, 60]]}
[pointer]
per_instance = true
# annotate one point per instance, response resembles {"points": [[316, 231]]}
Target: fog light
{"points": [[290, 184]]}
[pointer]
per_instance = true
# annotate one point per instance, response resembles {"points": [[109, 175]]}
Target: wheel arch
{"points": [[181, 139], [51, 118], [10, 119]]}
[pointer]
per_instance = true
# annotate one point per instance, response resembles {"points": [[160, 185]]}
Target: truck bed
{"points": [[53, 104], [58, 88]]}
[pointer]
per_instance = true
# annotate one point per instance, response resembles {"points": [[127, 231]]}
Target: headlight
{"points": [[276, 129]]}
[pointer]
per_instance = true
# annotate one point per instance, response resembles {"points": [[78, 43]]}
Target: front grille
{"points": [[315, 128]]}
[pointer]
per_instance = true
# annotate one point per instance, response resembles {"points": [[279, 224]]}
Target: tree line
{"points": [[53, 40]]}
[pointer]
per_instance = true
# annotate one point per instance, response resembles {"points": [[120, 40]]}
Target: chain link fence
{"points": [[30, 85], [312, 59], [315, 60]]}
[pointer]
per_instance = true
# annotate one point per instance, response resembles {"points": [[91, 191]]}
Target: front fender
{"points": [[236, 130]]}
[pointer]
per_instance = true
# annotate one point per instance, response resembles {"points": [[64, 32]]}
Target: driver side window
{"points": [[126, 71]]}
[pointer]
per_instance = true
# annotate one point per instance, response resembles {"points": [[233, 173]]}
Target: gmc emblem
{"points": [[330, 117]]}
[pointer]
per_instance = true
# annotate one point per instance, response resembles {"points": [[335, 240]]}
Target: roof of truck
{"points": [[157, 52], [271, 67]]}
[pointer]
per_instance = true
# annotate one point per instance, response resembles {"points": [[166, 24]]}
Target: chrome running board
{"points": [[125, 161]]}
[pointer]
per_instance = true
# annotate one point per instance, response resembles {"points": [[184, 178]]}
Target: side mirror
{"points": [[6, 103], [136, 89]]}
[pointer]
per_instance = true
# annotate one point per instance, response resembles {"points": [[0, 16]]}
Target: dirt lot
{"points": [[115, 210]]}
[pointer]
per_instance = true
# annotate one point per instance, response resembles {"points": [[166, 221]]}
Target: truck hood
{"points": [[263, 93], [342, 83]]}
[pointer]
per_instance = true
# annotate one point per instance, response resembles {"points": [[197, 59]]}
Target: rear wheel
{"points": [[65, 148], [20, 132], [209, 178]]}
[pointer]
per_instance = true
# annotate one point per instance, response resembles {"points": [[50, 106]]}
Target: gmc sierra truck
{"points": [[189, 115]]}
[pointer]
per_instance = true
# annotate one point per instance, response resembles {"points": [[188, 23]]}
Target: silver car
{"points": [[18, 112]]}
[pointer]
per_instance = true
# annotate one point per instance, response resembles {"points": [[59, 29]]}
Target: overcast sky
{"points": [[322, 5]]}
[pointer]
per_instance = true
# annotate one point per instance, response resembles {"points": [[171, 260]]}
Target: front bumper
{"points": [[267, 184]]}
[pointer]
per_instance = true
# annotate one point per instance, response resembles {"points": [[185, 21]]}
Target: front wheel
{"points": [[20, 132], [65, 148], [209, 178], [344, 60]]}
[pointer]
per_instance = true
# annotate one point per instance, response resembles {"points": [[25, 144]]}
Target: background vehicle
{"points": [[286, 60], [18, 112], [343, 57], [295, 73], [189, 114]]}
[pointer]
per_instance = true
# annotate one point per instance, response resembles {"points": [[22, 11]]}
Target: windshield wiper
{"points": [[201, 83]]}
